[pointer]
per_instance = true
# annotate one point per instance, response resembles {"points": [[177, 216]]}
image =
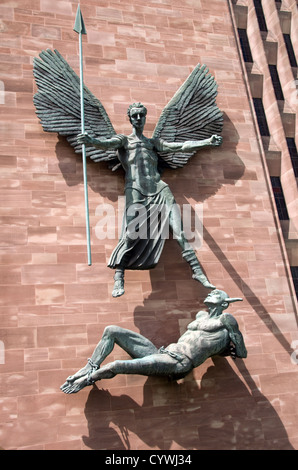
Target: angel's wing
{"points": [[192, 114], [58, 105]]}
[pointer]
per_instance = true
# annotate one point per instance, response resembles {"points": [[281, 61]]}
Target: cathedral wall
{"points": [[54, 307]]}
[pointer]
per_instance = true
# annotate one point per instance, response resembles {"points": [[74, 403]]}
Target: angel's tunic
{"points": [[148, 202]]}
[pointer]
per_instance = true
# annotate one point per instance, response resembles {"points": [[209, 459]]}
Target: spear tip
{"points": [[79, 26]]}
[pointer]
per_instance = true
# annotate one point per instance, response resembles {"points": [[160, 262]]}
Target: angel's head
{"points": [[137, 115]]}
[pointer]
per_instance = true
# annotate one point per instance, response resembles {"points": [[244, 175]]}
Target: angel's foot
{"points": [[118, 289], [190, 256], [199, 276]]}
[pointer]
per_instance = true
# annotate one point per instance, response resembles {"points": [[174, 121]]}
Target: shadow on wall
{"points": [[223, 413]]}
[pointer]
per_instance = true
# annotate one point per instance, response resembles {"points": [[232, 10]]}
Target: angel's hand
{"points": [[215, 140], [84, 139]]}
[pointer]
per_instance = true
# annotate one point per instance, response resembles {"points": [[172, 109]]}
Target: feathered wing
{"points": [[58, 105], [192, 114]]}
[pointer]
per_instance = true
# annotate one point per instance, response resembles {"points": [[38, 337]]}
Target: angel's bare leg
{"points": [[134, 344], [187, 251]]}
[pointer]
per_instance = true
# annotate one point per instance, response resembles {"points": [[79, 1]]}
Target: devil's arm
{"points": [[235, 334]]}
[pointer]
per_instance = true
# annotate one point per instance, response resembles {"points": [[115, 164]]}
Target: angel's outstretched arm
{"points": [[104, 144], [191, 145]]}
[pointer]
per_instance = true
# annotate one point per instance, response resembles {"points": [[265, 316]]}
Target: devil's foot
{"points": [[79, 374], [76, 386]]}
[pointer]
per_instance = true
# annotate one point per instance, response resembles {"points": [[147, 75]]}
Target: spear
{"points": [[79, 28]]}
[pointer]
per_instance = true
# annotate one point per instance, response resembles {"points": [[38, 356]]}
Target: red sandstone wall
{"points": [[54, 307]]}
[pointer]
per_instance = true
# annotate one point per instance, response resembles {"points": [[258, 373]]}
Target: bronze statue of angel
{"points": [[190, 121]]}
